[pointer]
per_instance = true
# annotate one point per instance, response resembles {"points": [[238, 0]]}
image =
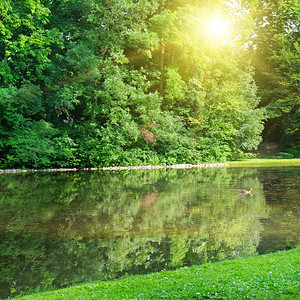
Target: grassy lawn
{"points": [[272, 276], [256, 162]]}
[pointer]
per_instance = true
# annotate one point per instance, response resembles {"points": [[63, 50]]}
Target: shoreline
{"points": [[148, 167], [254, 162]]}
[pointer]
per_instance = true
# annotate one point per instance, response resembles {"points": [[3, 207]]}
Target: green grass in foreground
{"points": [[272, 276], [255, 162]]}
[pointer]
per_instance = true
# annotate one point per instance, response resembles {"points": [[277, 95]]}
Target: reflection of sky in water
{"points": [[67, 228]]}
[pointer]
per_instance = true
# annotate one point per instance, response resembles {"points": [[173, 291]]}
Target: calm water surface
{"points": [[61, 229]]}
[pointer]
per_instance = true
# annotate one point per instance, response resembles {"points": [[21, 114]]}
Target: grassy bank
{"points": [[268, 162], [272, 276]]}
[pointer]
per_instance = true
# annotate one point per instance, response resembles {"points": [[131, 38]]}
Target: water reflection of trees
{"points": [[282, 228], [62, 229]]}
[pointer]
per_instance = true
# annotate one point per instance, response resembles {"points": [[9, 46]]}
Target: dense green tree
{"points": [[27, 137], [275, 55], [99, 83]]}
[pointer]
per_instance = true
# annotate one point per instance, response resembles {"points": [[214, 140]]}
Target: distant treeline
{"points": [[97, 83]]}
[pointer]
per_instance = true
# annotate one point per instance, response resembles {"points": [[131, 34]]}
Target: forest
{"points": [[96, 83]]}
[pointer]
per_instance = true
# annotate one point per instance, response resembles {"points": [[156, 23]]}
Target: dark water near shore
{"points": [[61, 229]]}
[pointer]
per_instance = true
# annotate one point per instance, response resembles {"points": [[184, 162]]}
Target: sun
{"points": [[217, 28]]}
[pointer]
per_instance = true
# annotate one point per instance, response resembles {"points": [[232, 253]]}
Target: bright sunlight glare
{"points": [[217, 28]]}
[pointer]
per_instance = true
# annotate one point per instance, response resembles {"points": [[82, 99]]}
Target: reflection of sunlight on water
{"points": [[136, 222]]}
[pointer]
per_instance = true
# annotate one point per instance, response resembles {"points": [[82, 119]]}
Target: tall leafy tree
{"points": [[124, 83], [26, 138], [275, 50]]}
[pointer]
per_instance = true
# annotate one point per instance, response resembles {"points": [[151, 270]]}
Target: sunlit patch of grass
{"points": [[256, 162], [272, 276]]}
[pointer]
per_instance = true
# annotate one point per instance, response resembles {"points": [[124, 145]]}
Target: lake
{"points": [[61, 229]]}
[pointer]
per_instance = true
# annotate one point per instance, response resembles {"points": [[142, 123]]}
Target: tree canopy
{"points": [[101, 83]]}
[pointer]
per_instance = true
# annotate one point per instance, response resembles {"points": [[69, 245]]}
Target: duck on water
{"points": [[245, 192]]}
